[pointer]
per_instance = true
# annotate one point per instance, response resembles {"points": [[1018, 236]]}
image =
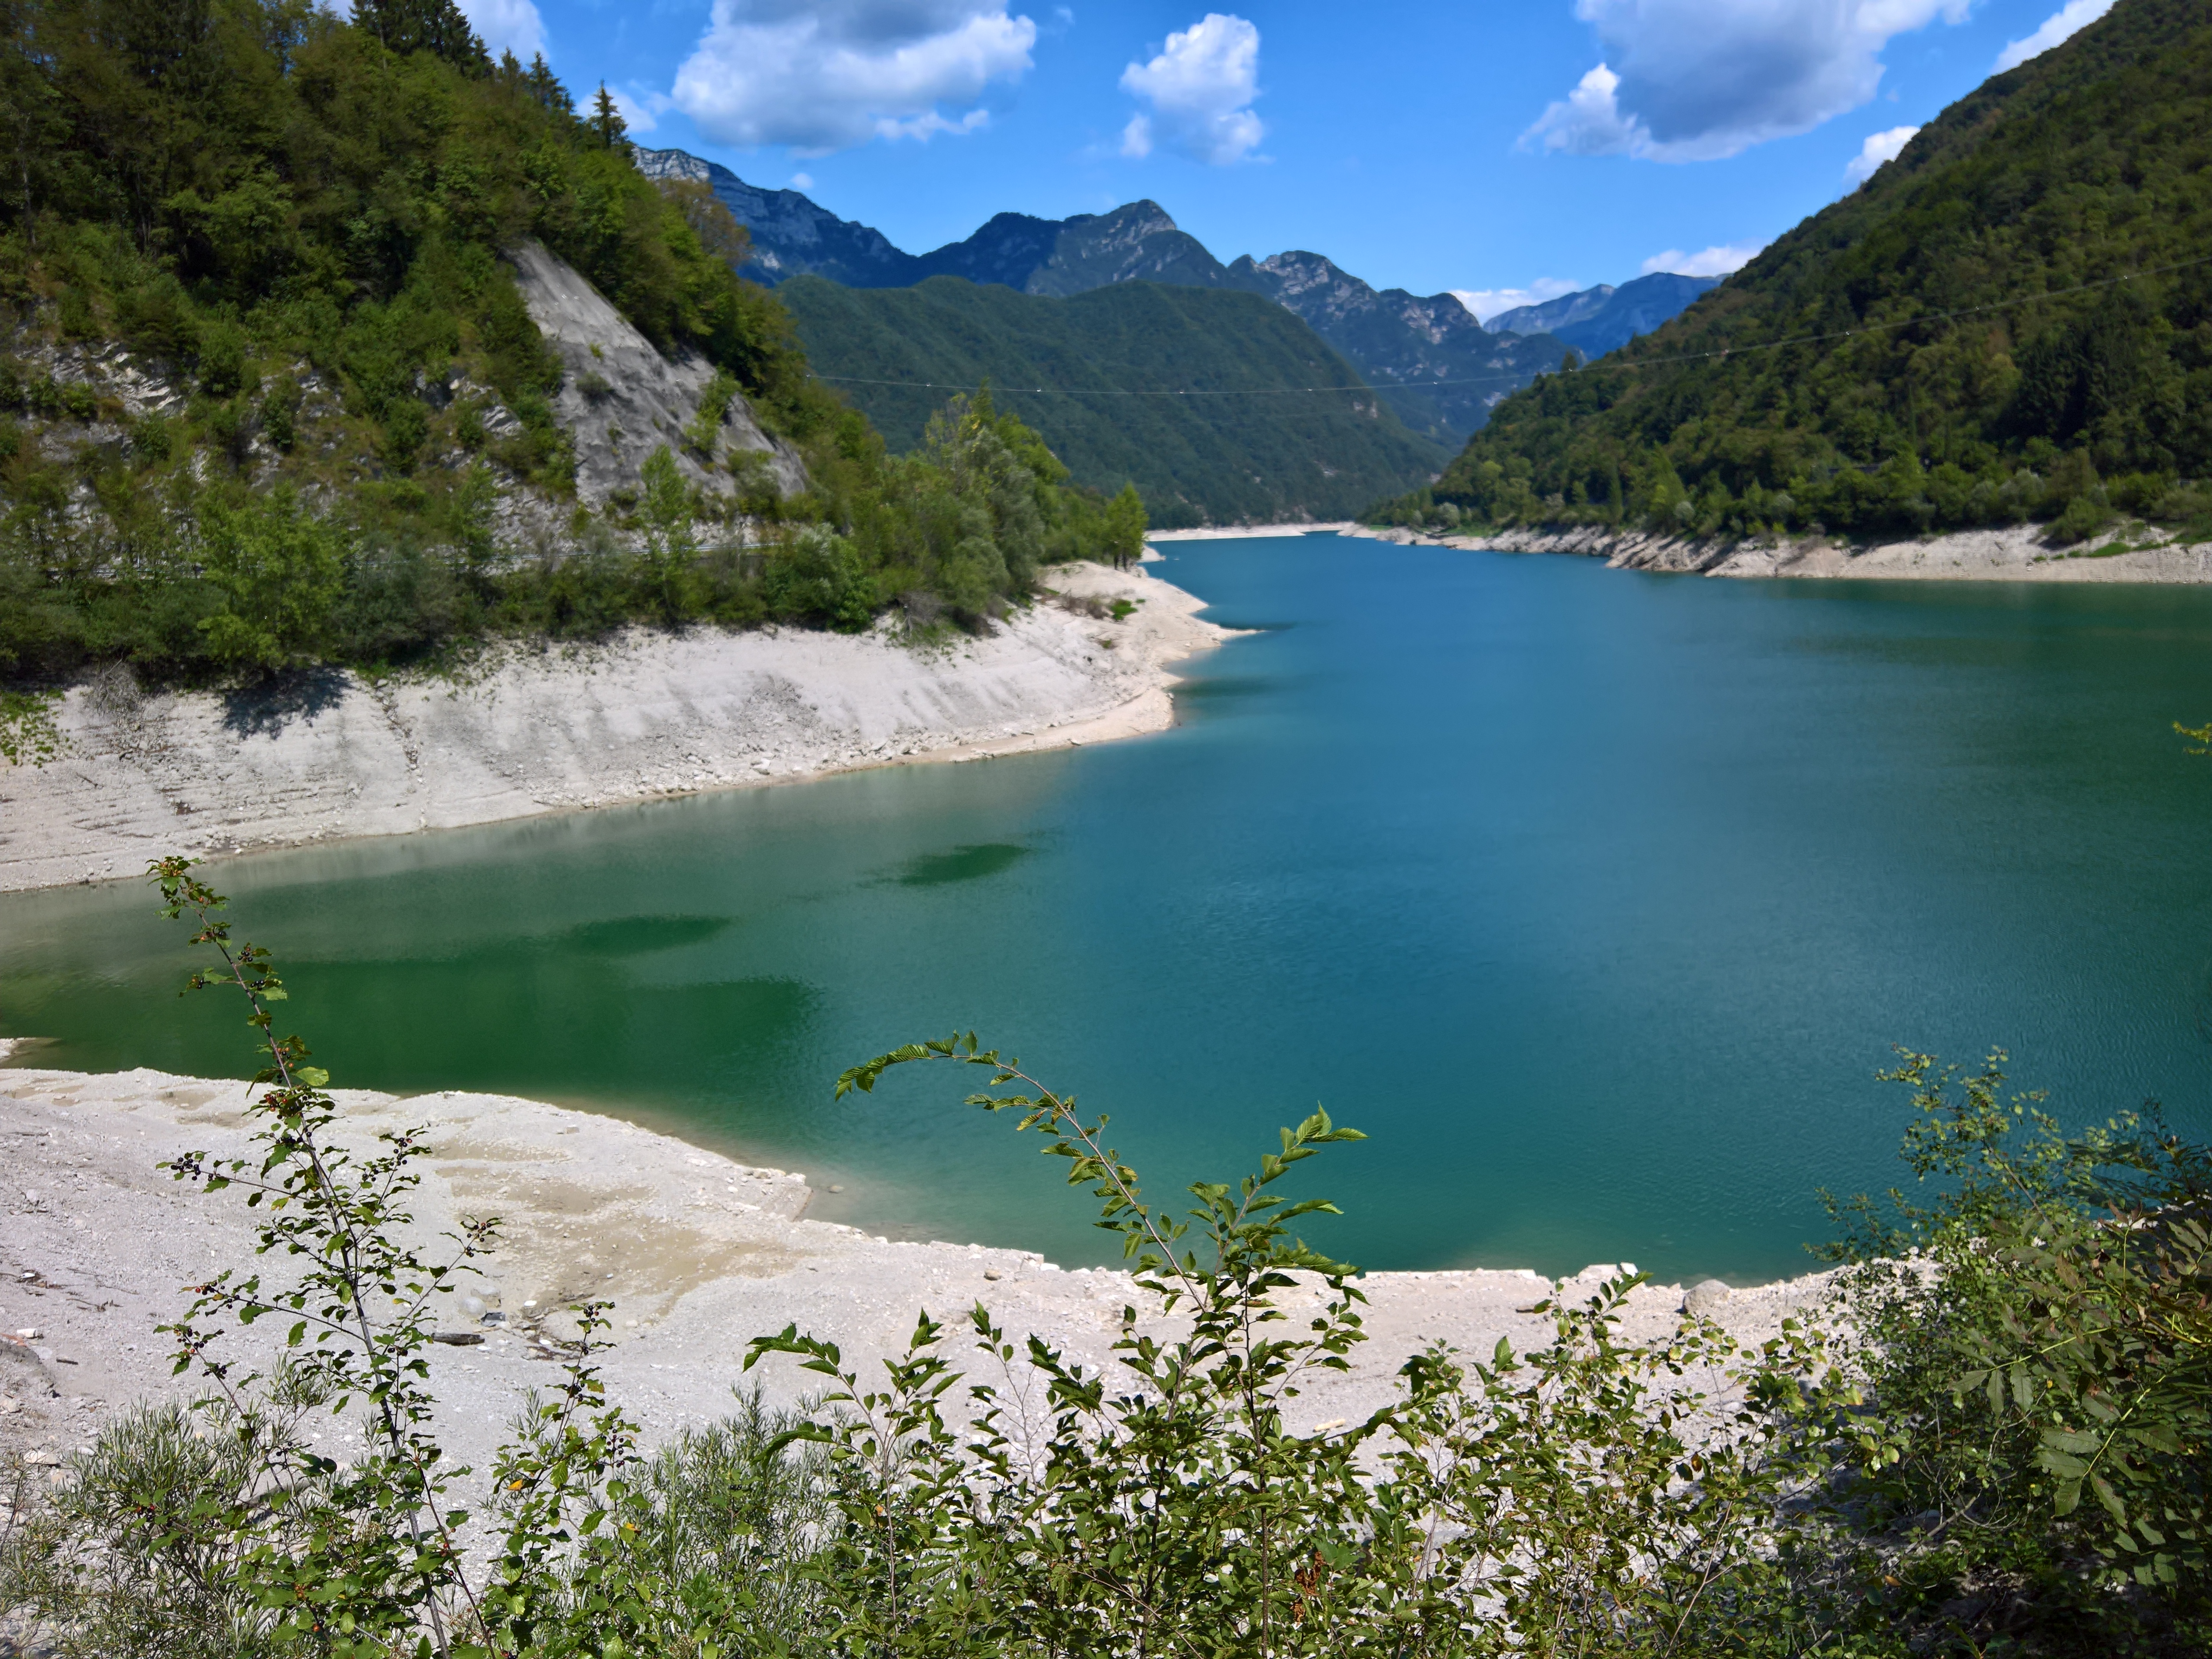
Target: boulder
{"points": [[1705, 1299], [22, 1374]]}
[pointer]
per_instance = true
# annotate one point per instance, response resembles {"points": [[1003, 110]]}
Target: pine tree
{"points": [[437, 25], [606, 122], [546, 90]]}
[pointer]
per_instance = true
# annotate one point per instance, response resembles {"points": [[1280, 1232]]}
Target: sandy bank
{"points": [[1240, 532], [647, 714], [2013, 555], [698, 1253]]}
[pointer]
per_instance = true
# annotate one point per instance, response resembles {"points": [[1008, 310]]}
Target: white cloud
{"points": [[640, 112], [802, 181], [1699, 80], [1879, 148], [1717, 261], [2074, 16], [1487, 302], [1588, 121], [826, 74], [507, 26], [1200, 88]]}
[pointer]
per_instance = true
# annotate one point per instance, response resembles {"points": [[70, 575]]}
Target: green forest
{"points": [[2012, 322], [1186, 392], [268, 389]]}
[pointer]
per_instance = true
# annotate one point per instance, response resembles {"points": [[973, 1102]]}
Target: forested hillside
{"points": [[1191, 394], [2012, 321], [1435, 365], [269, 393]]}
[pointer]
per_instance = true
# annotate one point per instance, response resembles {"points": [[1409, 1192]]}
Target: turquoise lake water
{"points": [[1595, 898]]}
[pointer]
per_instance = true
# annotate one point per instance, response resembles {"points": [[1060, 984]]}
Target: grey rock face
{"points": [[622, 398]]}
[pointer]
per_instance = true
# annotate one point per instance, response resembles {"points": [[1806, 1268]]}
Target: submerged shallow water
{"points": [[1595, 898]]}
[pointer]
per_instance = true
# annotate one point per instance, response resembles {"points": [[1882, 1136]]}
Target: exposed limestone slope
{"points": [[332, 755], [2016, 554], [622, 398]]}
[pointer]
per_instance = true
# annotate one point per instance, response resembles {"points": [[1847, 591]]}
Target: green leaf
{"points": [[2109, 1498]]}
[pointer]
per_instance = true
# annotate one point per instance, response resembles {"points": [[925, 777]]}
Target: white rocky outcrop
{"points": [[2018, 553], [622, 398]]}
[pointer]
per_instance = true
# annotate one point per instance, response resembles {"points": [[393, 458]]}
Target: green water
{"points": [[1595, 898]]}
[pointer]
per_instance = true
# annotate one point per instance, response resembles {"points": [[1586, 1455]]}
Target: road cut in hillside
{"points": [[331, 755]]}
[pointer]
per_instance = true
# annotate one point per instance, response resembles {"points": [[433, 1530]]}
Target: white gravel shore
{"points": [[647, 715], [698, 1253], [2015, 555]]}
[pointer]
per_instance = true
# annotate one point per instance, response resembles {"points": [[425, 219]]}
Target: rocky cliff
{"points": [[621, 399]]}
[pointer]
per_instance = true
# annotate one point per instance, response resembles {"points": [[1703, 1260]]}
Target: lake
{"points": [[1595, 898]]}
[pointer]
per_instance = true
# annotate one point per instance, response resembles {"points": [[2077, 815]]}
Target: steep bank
{"points": [[332, 755], [2014, 555], [698, 1253]]}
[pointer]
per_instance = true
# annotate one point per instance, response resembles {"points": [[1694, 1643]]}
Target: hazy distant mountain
{"points": [[1434, 364], [1604, 318], [1393, 338]]}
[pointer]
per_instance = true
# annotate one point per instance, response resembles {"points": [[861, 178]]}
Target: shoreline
{"points": [[2017, 554], [1245, 531], [333, 756], [698, 1252]]}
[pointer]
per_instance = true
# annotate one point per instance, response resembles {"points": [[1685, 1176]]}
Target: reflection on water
{"points": [[1595, 898]]}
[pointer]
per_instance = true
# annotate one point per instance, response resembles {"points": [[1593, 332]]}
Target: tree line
{"points": [[289, 225]]}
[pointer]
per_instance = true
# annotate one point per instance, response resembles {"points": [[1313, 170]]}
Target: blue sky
{"points": [[1494, 149]]}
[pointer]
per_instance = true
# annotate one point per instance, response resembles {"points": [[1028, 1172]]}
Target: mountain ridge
{"points": [[1402, 343], [1604, 318]]}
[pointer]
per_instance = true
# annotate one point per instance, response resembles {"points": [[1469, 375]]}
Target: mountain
{"points": [[1433, 362], [1394, 338], [1195, 394], [1604, 318], [791, 233], [2012, 320]]}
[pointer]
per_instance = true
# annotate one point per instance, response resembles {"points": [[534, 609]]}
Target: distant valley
{"points": [[1246, 444], [1401, 343]]}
